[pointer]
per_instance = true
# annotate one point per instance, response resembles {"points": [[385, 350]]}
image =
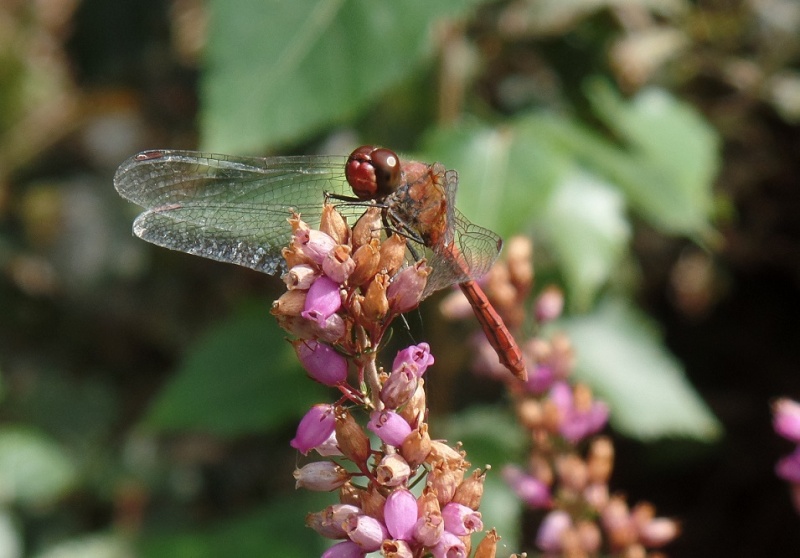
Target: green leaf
{"points": [[506, 173], [674, 157], [241, 377], [586, 227], [516, 178], [277, 71], [275, 530], [622, 357], [33, 469]]}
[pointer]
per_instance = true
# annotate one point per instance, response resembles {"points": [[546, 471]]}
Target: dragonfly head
{"points": [[373, 172]]}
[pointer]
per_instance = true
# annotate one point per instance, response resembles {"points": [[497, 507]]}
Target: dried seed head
{"points": [[333, 224], [393, 470], [367, 227], [414, 410], [376, 306], [416, 446], [367, 258], [600, 460], [353, 442], [470, 491], [487, 548], [519, 260], [373, 501], [393, 254], [295, 257], [290, 303]]}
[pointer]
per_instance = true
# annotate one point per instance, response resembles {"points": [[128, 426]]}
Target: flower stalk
{"points": [[344, 288]]}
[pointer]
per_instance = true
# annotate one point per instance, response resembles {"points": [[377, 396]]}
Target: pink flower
{"points": [[429, 528], [399, 388], [330, 521], [540, 379], [322, 301], [300, 277], [338, 265], [367, 532], [788, 468], [418, 357], [549, 305], [322, 362], [313, 243], [786, 419], [405, 291], [321, 476], [390, 427], [530, 490], [449, 546], [314, 429], [551, 530], [400, 514], [345, 549], [461, 520], [577, 420]]}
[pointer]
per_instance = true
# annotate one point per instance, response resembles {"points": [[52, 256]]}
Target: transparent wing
{"points": [[468, 251], [227, 208]]}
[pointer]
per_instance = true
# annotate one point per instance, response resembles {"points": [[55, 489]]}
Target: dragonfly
{"points": [[233, 209]]}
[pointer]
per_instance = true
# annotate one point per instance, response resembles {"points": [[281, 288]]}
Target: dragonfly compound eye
{"points": [[373, 173]]}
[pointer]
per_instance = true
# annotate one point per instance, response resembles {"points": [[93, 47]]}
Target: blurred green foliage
{"points": [[149, 397]]}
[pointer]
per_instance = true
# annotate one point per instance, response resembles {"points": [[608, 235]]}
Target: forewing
{"points": [[230, 209]]}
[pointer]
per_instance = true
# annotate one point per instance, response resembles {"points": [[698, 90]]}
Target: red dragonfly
{"points": [[234, 209]]}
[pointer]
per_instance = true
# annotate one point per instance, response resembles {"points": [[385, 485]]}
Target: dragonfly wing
{"points": [[230, 209], [468, 250]]}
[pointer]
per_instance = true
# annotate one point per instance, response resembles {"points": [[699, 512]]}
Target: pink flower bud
{"points": [[579, 415], [406, 289], [788, 468], [313, 243], [449, 546], [417, 355], [551, 530], [338, 265], [399, 388], [540, 379], [786, 419], [390, 427], [549, 304], [322, 301], [530, 490], [344, 549], [321, 361], [314, 429], [367, 532], [400, 514], [321, 476], [461, 520]]}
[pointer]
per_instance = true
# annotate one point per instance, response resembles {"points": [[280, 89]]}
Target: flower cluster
{"points": [[786, 421], [344, 288], [568, 467]]}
